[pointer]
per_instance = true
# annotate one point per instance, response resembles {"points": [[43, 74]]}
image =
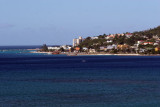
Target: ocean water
{"points": [[40, 80]]}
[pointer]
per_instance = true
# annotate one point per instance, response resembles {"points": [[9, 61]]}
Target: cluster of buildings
{"points": [[57, 48], [108, 38], [112, 36], [139, 47], [112, 46]]}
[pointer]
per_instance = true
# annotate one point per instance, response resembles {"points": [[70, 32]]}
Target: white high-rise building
{"points": [[76, 42], [80, 37]]}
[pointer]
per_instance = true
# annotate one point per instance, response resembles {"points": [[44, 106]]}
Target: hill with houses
{"points": [[142, 42], [145, 42]]}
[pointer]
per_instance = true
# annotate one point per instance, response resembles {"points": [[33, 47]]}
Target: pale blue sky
{"points": [[35, 22]]}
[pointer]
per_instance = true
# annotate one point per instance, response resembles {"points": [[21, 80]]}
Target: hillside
{"points": [[130, 39], [149, 33]]}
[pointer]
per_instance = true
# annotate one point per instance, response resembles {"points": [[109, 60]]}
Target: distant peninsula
{"points": [[145, 42]]}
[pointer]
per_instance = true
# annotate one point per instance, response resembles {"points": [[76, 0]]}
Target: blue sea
{"points": [[41, 80]]}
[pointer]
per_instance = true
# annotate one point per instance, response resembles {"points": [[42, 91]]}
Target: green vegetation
{"points": [[61, 49], [151, 35], [143, 42], [44, 48], [119, 39], [95, 43]]}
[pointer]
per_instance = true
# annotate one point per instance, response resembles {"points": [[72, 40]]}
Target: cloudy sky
{"points": [[57, 22]]}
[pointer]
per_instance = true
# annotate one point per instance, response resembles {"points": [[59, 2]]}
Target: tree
{"points": [[102, 36], [72, 49], [88, 38], [149, 33], [61, 49], [130, 41], [44, 48], [114, 51]]}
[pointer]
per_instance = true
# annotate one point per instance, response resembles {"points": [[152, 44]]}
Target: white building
{"points": [[109, 47], [76, 42], [54, 48], [92, 50], [85, 49], [140, 42], [156, 44], [66, 47], [128, 35], [94, 38], [109, 41], [104, 48]]}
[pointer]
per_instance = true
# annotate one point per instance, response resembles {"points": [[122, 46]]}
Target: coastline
{"points": [[118, 54], [41, 52], [96, 54], [112, 54]]}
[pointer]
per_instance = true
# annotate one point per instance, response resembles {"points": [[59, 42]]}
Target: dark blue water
{"points": [[20, 47], [29, 80]]}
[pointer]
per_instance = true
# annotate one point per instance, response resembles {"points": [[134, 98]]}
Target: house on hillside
{"points": [[92, 51], [128, 35], [110, 36], [103, 48], [146, 43], [140, 42], [157, 49], [123, 46], [94, 37], [109, 41], [110, 47], [156, 37]]}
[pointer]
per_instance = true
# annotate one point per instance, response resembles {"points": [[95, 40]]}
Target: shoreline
{"points": [[96, 54], [41, 52], [112, 54], [120, 54]]}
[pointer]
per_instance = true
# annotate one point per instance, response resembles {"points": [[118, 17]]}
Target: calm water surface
{"points": [[37, 80]]}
